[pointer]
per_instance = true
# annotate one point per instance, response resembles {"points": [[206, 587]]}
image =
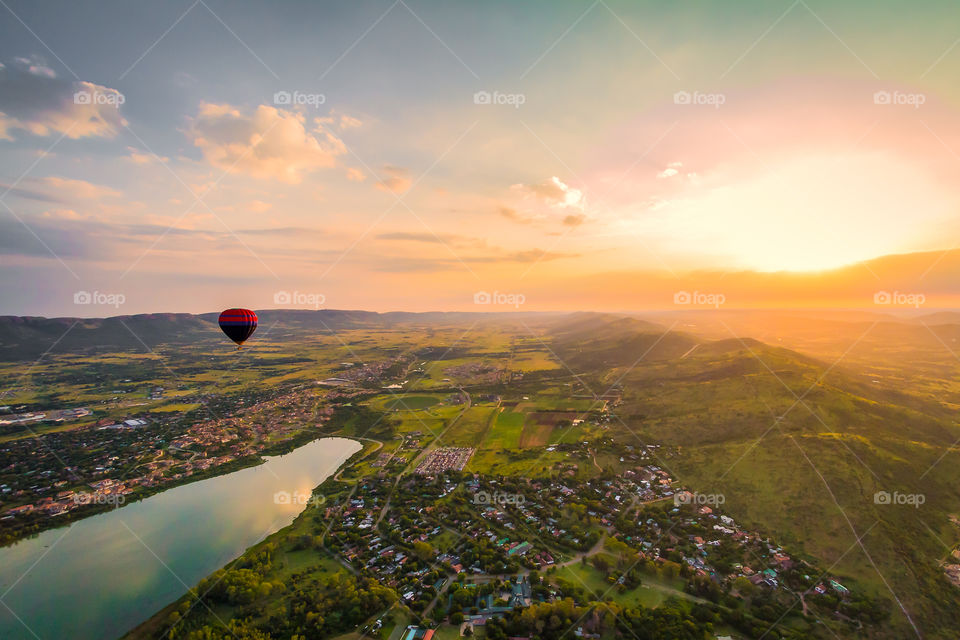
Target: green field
{"points": [[506, 430], [407, 402]]}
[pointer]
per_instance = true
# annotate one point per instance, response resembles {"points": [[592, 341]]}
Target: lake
{"points": [[102, 576]]}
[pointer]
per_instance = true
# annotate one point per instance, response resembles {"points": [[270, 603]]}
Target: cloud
{"points": [[355, 175], [449, 239], [547, 201], [537, 255], [62, 234], [35, 100], [340, 120], [347, 122], [413, 237], [269, 143], [407, 264], [70, 189], [397, 180], [512, 214], [553, 192], [139, 157], [29, 194], [672, 169]]}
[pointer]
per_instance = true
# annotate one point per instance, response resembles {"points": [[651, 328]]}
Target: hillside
{"points": [[27, 338], [798, 449]]}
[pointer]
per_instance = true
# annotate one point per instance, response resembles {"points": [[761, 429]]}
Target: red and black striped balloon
{"points": [[238, 324]]}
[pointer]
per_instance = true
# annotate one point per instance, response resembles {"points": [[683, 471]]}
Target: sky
{"points": [[413, 155]]}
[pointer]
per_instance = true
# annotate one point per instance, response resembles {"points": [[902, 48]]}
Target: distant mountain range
{"points": [[29, 337]]}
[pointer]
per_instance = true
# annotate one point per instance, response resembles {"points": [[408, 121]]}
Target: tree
{"points": [[422, 550]]}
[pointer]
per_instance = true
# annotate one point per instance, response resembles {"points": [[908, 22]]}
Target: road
{"points": [[423, 454], [336, 477]]}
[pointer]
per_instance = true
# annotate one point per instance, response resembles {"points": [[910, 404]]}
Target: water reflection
{"points": [[104, 575]]}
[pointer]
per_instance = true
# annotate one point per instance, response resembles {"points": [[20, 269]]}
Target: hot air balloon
{"points": [[238, 324]]}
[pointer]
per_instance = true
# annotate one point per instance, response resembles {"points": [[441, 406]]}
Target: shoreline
{"points": [[138, 495], [144, 628]]}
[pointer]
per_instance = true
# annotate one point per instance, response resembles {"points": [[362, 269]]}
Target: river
{"points": [[101, 576]]}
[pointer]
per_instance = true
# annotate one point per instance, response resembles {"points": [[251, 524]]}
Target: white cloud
{"points": [[34, 99], [269, 143], [672, 169], [554, 192]]}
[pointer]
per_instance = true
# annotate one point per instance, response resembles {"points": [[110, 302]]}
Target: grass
{"points": [[181, 407], [447, 632], [470, 429], [535, 435], [406, 402], [651, 593], [506, 431]]}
